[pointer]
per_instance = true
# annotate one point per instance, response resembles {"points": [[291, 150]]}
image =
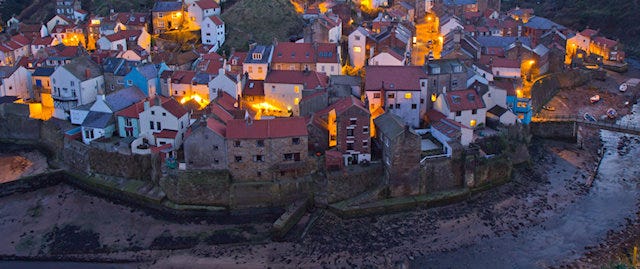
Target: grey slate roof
{"points": [[542, 24], [389, 124], [497, 110], [166, 6], [79, 66], [7, 71], [43, 71], [149, 70], [266, 54], [202, 78], [111, 64], [124, 98], [98, 120], [8, 99], [126, 67], [502, 41], [459, 2], [446, 66]]}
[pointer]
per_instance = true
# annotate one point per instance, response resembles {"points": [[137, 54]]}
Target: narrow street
{"points": [[427, 40]]}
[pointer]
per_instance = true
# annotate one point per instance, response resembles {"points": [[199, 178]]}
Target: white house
{"points": [[122, 40], [464, 106], [163, 124], [401, 90], [223, 82], [201, 9], [15, 81], [388, 58], [39, 44], [257, 62], [58, 20], [212, 32], [449, 24], [99, 121], [446, 130], [283, 88], [358, 46], [75, 84]]}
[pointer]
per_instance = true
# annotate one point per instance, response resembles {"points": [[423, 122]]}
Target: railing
{"points": [[624, 128]]}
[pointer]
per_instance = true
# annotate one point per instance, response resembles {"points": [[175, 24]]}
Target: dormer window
{"points": [[257, 56]]}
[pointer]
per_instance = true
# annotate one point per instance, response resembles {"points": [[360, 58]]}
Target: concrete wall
{"points": [[545, 87], [346, 184], [204, 187], [561, 130]]}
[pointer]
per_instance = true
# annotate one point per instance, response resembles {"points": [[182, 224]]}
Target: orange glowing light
{"points": [[203, 102]]}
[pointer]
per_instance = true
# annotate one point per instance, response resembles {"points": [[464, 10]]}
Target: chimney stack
{"points": [[87, 73]]}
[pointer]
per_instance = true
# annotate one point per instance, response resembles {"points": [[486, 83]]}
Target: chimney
{"points": [[146, 105], [157, 100], [87, 73], [221, 71]]}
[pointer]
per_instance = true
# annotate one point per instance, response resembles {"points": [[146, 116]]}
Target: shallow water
{"points": [[565, 234]]}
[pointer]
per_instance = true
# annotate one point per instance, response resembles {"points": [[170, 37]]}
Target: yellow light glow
{"points": [[203, 102], [177, 14], [433, 97], [519, 93], [357, 49], [296, 101], [472, 123], [531, 62], [96, 22], [298, 8], [296, 89], [440, 38], [407, 95], [429, 18]]}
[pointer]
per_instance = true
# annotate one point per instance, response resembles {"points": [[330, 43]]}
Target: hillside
{"points": [[260, 21], [615, 18]]}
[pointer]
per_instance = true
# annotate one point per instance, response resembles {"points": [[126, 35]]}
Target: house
{"points": [[206, 147], [262, 150], [39, 44], [224, 82], [68, 7], [33, 31], [114, 71], [235, 62], [319, 57], [516, 101], [284, 89], [69, 35], [449, 23], [444, 75], [464, 106], [163, 124], [401, 90], [212, 32], [400, 146], [459, 45], [137, 54], [389, 57], [124, 40], [536, 26], [41, 85], [59, 19], [347, 125], [75, 84], [199, 10], [344, 86], [15, 81], [591, 42], [257, 62], [358, 46], [146, 78], [100, 121], [326, 29], [167, 16], [502, 67], [12, 50], [448, 131], [520, 14]]}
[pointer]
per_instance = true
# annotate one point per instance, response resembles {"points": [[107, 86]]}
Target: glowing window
{"points": [[296, 101], [433, 97], [472, 123], [357, 49], [407, 95], [296, 89]]}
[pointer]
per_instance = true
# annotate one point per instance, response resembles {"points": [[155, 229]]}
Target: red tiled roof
{"points": [[343, 104], [174, 107], [469, 28], [221, 113], [605, 41], [227, 101], [253, 88], [124, 34], [216, 20], [264, 129], [463, 100], [182, 77], [240, 56], [166, 134], [499, 62], [133, 111], [207, 4], [394, 77], [434, 115], [289, 52], [588, 32], [471, 15], [217, 127], [135, 18], [327, 53], [448, 127], [505, 85], [42, 41], [310, 79], [21, 39]]}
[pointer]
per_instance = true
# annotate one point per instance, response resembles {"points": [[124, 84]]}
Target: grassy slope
{"points": [[617, 19], [260, 21]]}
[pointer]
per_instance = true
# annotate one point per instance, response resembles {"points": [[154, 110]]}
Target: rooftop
{"points": [[264, 129]]}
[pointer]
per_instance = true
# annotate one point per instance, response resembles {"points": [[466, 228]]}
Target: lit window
{"points": [[357, 49], [296, 101], [433, 97], [407, 95], [296, 89], [472, 123]]}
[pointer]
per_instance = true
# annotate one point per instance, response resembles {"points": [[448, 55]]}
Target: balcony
{"points": [[64, 98]]}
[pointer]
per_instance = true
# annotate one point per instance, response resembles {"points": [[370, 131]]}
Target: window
{"points": [[258, 158], [295, 141], [376, 95], [215, 148], [159, 126], [260, 143], [472, 123], [238, 159], [236, 143], [259, 69], [391, 106], [454, 83], [397, 106], [365, 129], [153, 112], [128, 122], [353, 121], [475, 111], [259, 174], [365, 143], [288, 156], [296, 89], [216, 161], [391, 95], [164, 114], [357, 37], [72, 83], [250, 69], [151, 125], [414, 106], [407, 95], [458, 113], [349, 132], [434, 97], [357, 49], [422, 84], [349, 145]]}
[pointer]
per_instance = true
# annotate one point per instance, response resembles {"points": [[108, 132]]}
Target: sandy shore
{"points": [[21, 164]]}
